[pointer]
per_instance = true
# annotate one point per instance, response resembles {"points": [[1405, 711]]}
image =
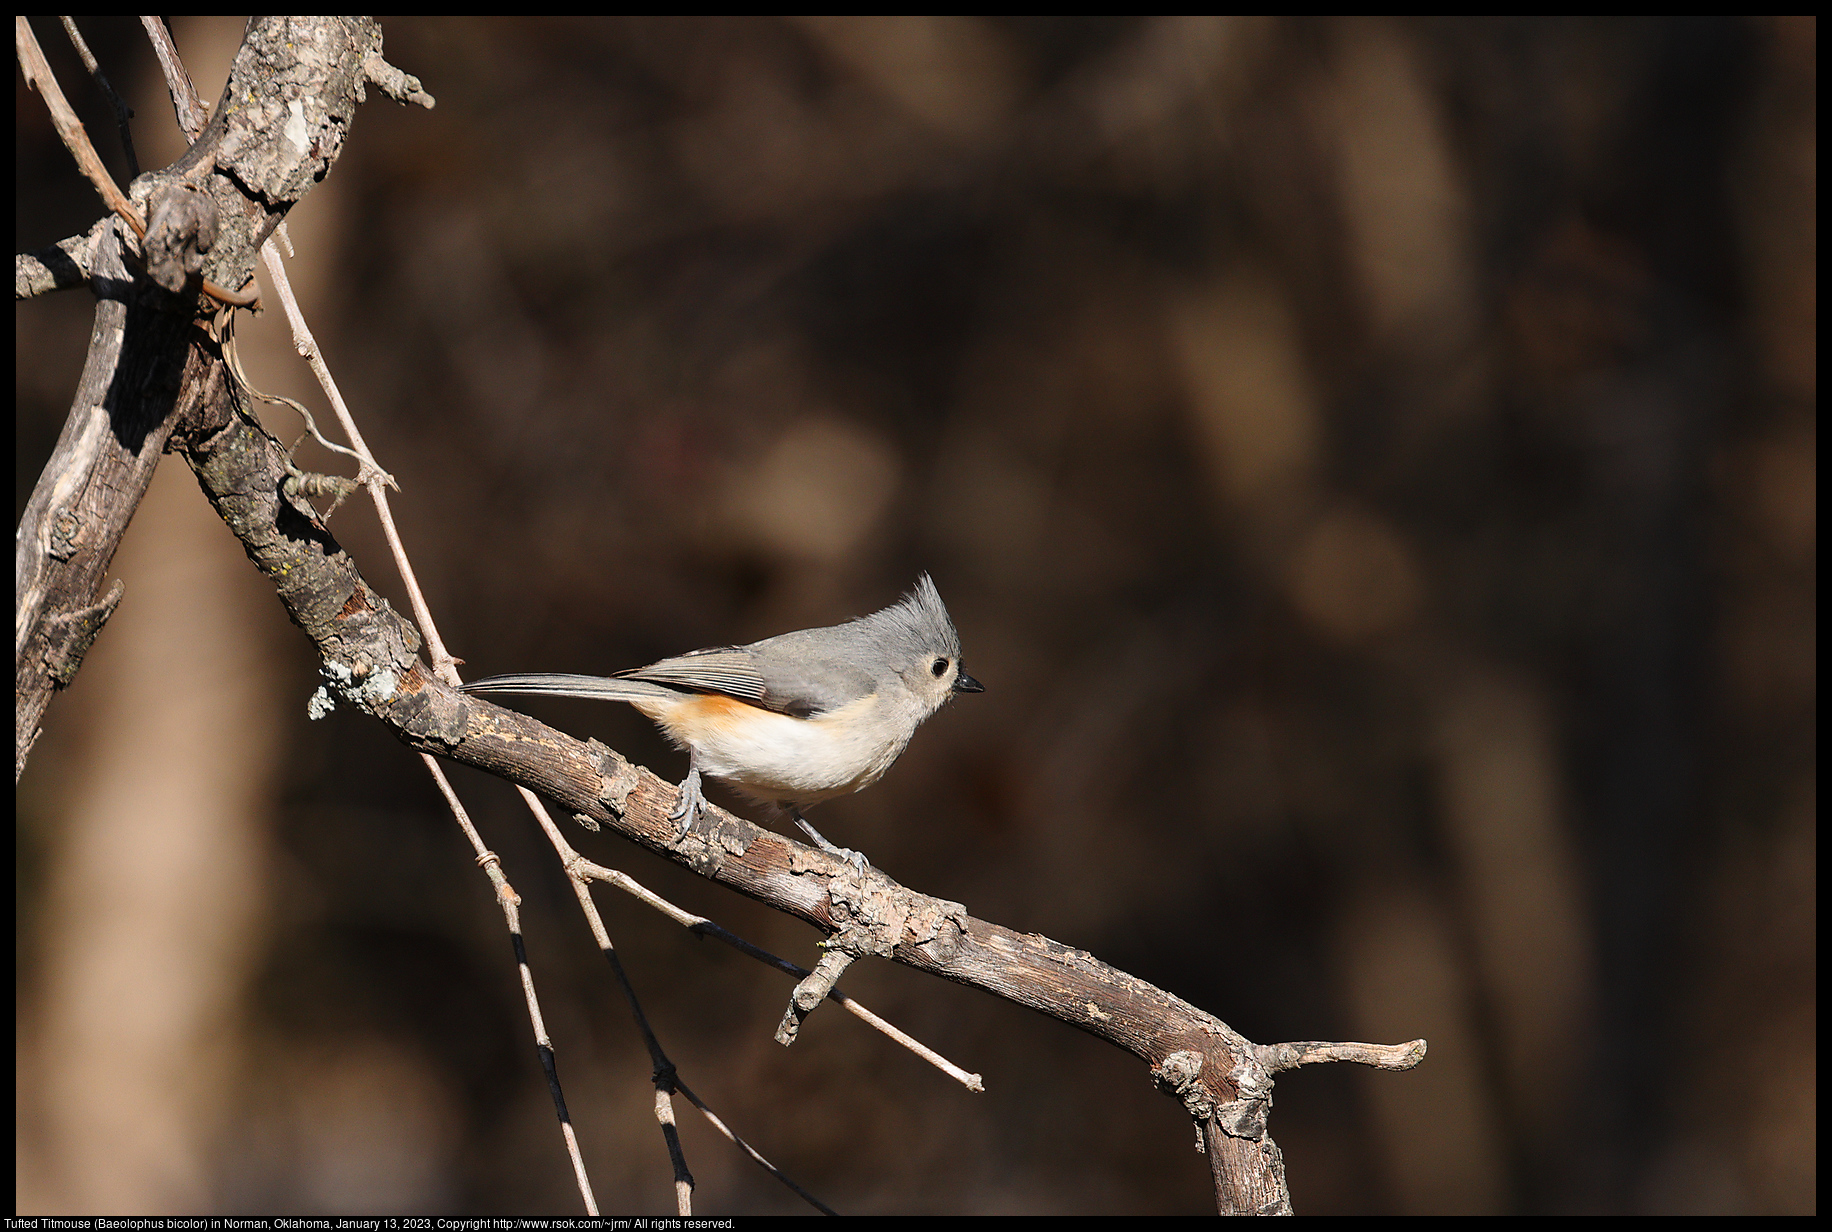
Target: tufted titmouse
{"points": [[793, 719]]}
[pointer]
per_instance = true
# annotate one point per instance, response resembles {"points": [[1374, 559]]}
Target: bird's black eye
{"points": [[939, 668]]}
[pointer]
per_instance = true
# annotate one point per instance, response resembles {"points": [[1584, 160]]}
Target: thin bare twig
{"points": [[69, 128], [707, 928], [123, 113], [661, 1066], [667, 1079], [372, 476], [713, 1119], [510, 902], [192, 115], [232, 359]]}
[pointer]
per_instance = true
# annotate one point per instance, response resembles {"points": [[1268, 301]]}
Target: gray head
{"points": [[917, 637]]}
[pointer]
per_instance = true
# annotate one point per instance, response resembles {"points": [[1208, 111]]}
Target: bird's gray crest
{"points": [[919, 620]]}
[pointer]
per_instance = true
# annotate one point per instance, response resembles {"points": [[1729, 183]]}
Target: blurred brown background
{"points": [[1371, 464]]}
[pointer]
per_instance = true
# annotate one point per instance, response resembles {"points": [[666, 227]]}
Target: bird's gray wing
{"points": [[812, 671], [801, 674], [726, 669]]}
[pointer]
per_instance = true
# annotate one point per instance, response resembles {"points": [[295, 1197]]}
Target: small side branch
{"points": [[62, 266], [1280, 1057]]}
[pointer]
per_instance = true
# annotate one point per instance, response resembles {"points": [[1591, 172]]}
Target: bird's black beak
{"points": [[964, 683]]}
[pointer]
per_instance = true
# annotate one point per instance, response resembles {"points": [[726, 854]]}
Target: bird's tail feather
{"points": [[552, 684]]}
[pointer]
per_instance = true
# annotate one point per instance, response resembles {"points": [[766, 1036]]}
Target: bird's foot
{"points": [[692, 803], [855, 858]]}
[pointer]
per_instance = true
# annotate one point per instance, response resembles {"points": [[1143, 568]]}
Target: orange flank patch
{"points": [[699, 718]]}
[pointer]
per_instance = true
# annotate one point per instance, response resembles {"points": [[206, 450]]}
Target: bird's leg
{"points": [[854, 858], [692, 802]]}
